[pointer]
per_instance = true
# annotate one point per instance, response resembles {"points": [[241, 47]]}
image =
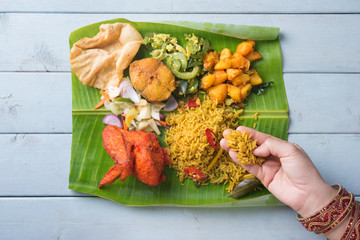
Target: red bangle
{"points": [[352, 231], [330, 216]]}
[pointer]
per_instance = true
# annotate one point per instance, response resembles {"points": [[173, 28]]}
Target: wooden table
{"points": [[320, 48]]}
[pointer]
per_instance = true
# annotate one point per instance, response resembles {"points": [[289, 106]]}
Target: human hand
{"points": [[288, 173]]}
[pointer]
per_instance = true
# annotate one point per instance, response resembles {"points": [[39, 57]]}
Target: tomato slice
{"points": [[211, 138], [194, 173], [192, 102]]}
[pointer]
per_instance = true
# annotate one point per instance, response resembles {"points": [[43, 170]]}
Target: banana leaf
{"points": [[89, 161]]}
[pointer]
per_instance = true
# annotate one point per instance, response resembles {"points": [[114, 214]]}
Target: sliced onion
{"points": [[142, 126], [162, 117], [113, 92], [112, 119], [155, 110], [145, 113], [152, 124], [171, 104], [127, 91], [119, 107], [107, 104]]}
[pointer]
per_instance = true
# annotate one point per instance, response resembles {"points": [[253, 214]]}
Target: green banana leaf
{"points": [[89, 161]]}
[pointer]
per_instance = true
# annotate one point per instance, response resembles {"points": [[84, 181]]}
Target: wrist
{"points": [[318, 198], [331, 219]]}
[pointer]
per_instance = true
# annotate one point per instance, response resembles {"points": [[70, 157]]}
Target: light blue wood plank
{"points": [[323, 103], [38, 164], [309, 43], [335, 156], [177, 6], [95, 218], [35, 102], [35, 165]]}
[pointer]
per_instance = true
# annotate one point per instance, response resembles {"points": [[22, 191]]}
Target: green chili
{"points": [[187, 75]]}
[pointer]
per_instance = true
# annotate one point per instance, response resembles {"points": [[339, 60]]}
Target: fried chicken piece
{"points": [[134, 152], [150, 158], [116, 146]]}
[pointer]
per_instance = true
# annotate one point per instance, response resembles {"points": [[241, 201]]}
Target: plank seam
{"points": [[182, 12]]}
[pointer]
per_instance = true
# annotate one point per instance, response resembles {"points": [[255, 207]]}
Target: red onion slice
{"points": [[171, 104], [127, 91], [112, 119]]}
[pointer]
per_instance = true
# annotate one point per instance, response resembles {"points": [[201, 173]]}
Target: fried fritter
{"points": [[152, 78]]}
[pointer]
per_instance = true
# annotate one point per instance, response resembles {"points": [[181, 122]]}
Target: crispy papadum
{"points": [[100, 61]]}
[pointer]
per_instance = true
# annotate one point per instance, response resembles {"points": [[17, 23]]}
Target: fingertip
{"points": [[223, 144], [226, 132]]}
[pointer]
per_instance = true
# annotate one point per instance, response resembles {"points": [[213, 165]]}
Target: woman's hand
{"points": [[288, 173]]}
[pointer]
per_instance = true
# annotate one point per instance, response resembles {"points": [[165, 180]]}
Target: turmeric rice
{"points": [[242, 143], [188, 145]]}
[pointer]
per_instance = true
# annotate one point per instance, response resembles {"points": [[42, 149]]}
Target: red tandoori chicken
{"points": [[134, 152]]}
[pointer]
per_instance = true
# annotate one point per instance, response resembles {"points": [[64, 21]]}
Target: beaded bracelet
{"points": [[330, 216], [352, 231]]}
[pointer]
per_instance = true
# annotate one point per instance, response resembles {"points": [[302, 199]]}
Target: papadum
{"points": [[100, 61]]}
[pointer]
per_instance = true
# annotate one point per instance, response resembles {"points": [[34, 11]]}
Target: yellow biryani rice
{"points": [[188, 145], [242, 143]]}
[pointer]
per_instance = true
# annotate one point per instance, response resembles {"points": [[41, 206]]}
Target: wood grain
{"points": [[177, 6], [95, 218], [319, 42], [309, 43]]}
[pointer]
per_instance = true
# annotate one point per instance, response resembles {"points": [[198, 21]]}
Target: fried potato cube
{"points": [[218, 93], [245, 90], [241, 79], [234, 92], [220, 77], [251, 41], [247, 65], [238, 62], [225, 53], [232, 73], [244, 48], [255, 79], [210, 59], [223, 64], [237, 55], [207, 80], [253, 55]]}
